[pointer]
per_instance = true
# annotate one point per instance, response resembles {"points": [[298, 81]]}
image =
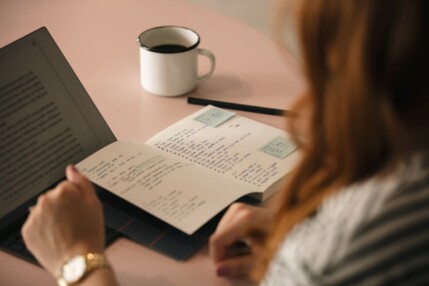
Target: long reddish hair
{"points": [[364, 61]]}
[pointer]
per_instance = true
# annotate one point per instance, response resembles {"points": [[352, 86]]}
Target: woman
{"points": [[355, 210]]}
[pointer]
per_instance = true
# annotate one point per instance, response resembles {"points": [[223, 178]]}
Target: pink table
{"points": [[98, 38]]}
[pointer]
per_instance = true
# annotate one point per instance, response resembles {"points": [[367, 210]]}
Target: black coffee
{"points": [[168, 48]]}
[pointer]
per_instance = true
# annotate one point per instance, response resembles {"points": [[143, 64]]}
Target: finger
{"points": [[238, 211], [237, 267], [239, 248], [232, 217], [41, 202], [26, 232], [26, 227], [220, 242], [30, 228], [242, 221], [63, 192], [230, 214], [82, 183]]}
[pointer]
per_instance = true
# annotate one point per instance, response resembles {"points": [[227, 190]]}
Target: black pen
{"points": [[242, 107]]}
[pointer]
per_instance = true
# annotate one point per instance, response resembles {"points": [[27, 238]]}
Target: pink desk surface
{"points": [[98, 38]]}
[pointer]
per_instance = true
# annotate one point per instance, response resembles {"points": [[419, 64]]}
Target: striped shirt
{"points": [[372, 233]]}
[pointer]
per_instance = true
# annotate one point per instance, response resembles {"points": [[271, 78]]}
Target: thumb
{"points": [[80, 181]]}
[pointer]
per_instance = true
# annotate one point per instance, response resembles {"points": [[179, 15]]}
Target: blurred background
{"points": [[259, 14]]}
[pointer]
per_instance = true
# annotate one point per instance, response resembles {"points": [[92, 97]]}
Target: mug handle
{"points": [[212, 59]]}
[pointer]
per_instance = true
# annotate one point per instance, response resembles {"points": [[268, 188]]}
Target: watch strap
{"points": [[93, 261]]}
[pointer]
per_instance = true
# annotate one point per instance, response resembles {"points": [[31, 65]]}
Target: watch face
{"points": [[74, 269]]}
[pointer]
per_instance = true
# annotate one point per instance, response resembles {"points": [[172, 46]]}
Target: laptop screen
{"points": [[47, 121]]}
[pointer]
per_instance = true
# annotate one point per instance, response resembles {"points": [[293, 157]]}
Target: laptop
{"points": [[47, 121]]}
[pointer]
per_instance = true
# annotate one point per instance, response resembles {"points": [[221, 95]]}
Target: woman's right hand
{"points": [[238, 227]]}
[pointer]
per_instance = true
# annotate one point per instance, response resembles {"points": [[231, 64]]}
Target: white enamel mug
{"points": [[169, 60]]}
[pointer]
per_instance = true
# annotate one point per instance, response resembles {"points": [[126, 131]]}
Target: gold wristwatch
{"points": [[75, 269]]}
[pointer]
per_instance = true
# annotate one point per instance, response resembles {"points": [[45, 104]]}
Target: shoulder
{"points": [[369, 233], [393, 245]]}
